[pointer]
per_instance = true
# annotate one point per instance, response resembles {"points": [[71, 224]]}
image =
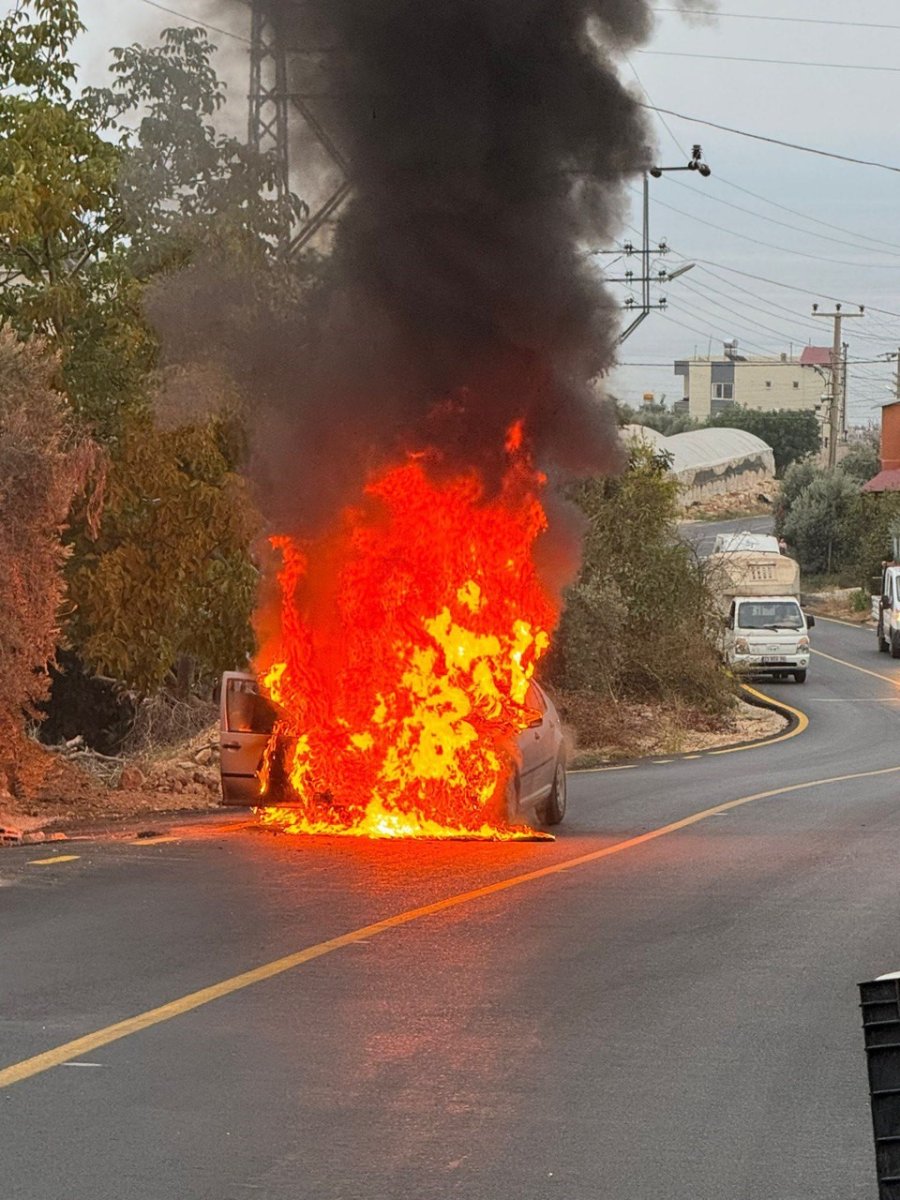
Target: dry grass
{"points": [[605, 731]]}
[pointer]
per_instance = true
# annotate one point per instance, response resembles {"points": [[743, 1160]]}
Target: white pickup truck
{"points": [[886, 609], [765, 631]]}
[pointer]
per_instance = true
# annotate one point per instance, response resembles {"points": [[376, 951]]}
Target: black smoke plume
{"points": [[488, 144]]}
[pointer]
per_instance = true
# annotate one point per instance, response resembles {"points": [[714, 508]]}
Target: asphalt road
{"points": [[672, 1014], [702, 534]]}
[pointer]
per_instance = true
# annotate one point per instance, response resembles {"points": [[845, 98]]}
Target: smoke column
{"points": [[489, 142]]}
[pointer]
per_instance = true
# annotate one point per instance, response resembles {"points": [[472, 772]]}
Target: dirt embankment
{"points": [[604, 732], [71, 785]]}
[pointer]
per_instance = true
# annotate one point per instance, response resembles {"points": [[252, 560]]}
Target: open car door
{"points": [[246, 719]]}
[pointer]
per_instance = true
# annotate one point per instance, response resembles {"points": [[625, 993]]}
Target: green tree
{"points": [[167, 588], [62, 274], [636, 623], [183, 185], [658, 417], [861, 462], [824, 525], [101, 195], [797, 478], [792, 434]]}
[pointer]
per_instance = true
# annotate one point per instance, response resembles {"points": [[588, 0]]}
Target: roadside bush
{"points": [[636, 624], [658, 417], [42, 468], [824, 524], [861, 462], [797, 477], [879, 522]]}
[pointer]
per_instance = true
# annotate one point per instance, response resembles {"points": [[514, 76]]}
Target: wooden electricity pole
{"points": [[836, 399]]}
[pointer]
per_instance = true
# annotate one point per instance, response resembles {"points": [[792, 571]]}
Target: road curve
{"points": [[669, 1010]]}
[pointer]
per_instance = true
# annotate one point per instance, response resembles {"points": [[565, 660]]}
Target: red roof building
{"points": [[816, 356], [888, 478]]}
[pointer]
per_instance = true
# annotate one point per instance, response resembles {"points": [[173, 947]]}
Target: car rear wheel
{"points": [[895, 646], [553, 809]]}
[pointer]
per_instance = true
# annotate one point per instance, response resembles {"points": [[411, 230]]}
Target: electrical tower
{"points": [[288, 116]]}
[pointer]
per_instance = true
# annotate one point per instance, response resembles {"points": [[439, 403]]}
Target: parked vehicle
{"points": [[765, 631], [247, 718], [886, 608]]}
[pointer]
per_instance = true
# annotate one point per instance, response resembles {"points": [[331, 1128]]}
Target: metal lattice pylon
{"points": [[284, 62]]}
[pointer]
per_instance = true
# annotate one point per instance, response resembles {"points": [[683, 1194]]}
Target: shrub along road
{"points": [[660, 1003]]}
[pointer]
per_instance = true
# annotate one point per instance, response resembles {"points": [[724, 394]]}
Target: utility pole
{"points": [[835, 399], [645, 279], [844, 373]]}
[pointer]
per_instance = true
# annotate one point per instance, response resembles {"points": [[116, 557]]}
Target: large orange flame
{"points": [[408, 637]]}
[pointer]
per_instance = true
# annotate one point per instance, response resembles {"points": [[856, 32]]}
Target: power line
{"points": [[701, 292], [784, 224], [776, 62], [841, 262], [194, 21], [791, 287], [770, 303], [759, 137], [805, 216], [799, 318], [700, 12]]}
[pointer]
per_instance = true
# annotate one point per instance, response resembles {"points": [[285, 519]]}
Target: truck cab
{"points": [[768, 635]]}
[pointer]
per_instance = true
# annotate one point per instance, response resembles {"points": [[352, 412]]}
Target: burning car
{"points": [[248, 725]]}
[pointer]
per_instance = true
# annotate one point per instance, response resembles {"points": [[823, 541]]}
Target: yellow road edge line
{"points": [[36, 1065], [893, 680], [801, 718], [46, 862]]}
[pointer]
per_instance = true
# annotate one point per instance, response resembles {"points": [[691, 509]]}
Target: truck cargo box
{"points": [[752, 573]]}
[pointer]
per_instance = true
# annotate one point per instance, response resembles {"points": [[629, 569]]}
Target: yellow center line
{"points": [[57, 858], [894, 680], [29, 1067]]}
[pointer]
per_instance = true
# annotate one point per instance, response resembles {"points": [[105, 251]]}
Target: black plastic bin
{"points": [[880, 1002]]}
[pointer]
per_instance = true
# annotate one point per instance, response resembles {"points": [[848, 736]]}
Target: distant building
{"points": [[713, 384], [888, 478]]}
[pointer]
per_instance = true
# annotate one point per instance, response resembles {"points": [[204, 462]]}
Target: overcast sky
{"points": [[691, 68]]}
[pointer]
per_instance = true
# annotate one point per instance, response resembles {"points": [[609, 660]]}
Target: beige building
{"points": [[712, 384]]}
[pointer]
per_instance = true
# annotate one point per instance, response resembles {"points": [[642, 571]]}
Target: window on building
{"points": [[723, 391], [768, 383], [797, 384]]}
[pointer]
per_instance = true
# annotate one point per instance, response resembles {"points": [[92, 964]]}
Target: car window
{"points": [[246, 710], [534, 699]]}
